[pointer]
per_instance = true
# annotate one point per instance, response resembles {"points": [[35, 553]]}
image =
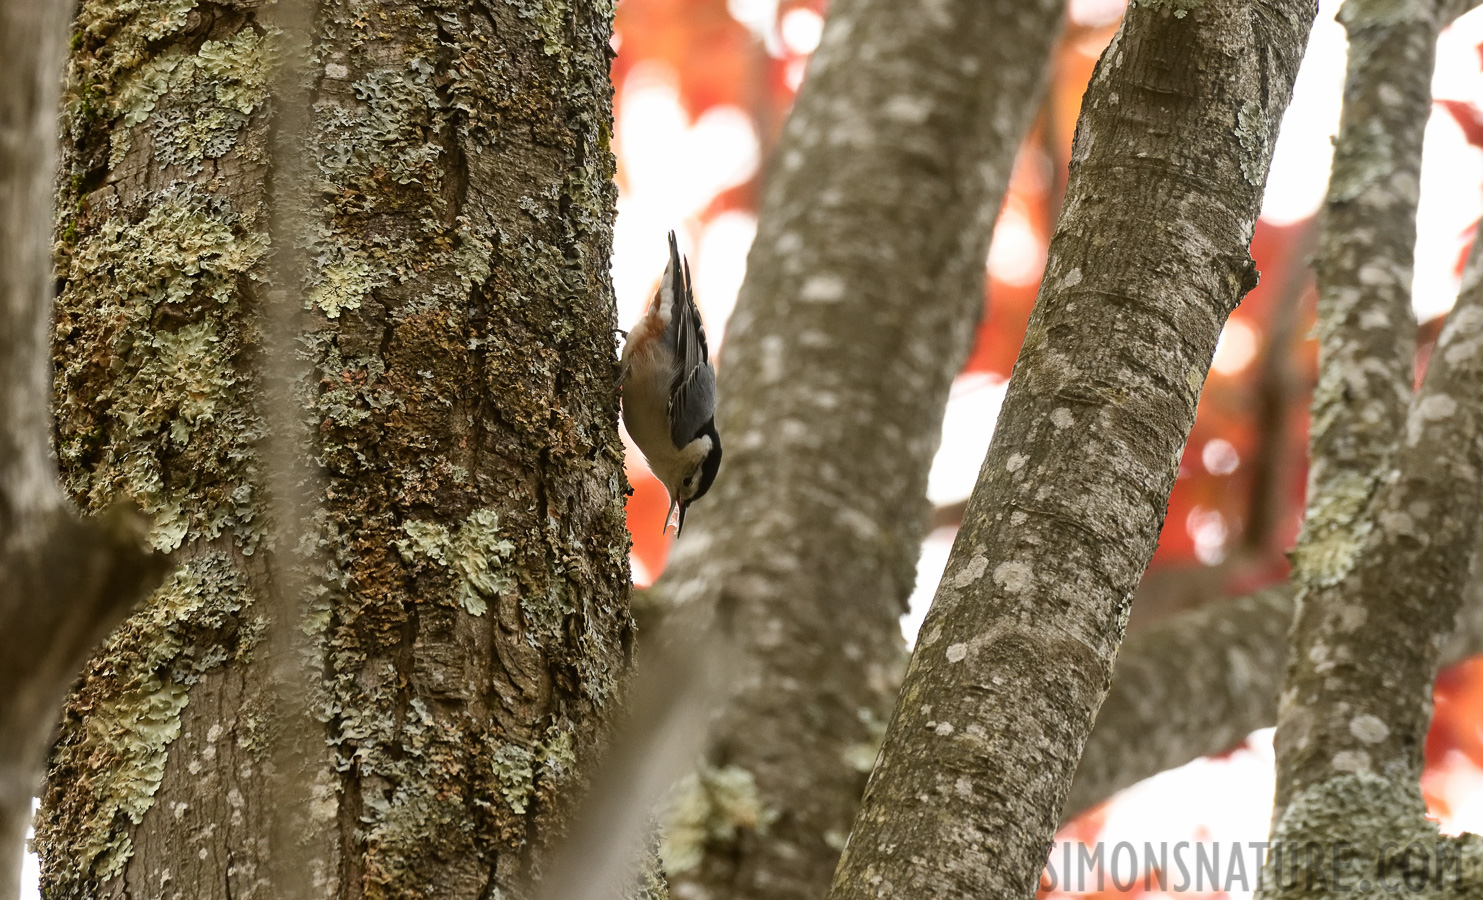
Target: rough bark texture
{"points": [[1149, 258], [470, 597], [1203, 681], [1354, 714], [1366, 330], [862, 291], [64, 582]]}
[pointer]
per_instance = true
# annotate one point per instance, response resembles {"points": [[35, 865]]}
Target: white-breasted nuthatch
{"points": [[669, 391]]}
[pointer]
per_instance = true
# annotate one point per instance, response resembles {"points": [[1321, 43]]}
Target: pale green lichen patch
{"points": [[384, 135], [195, 104], [134, 696], [475, 554], [518, 767], [1335, 529], [515, 768], [162, 308], [128, 27], [1255, 138], [707, 807], [343, 285]]}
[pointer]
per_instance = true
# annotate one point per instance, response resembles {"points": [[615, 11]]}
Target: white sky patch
{"points": [[801, 28], [1451, 172], [1299, 174], [967, 427], [793, 73], [31, 866], [930, 566], [720, 266], [1462, 784], [761, 18], [642, 577], [1096, 13], [1236, 348], [1221, 801]]}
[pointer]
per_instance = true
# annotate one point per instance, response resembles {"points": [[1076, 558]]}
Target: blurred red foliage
{"points": [[1238, 499]]}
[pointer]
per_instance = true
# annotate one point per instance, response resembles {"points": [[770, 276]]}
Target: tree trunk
{"points": [[64, 582], [1149, 258], [469, 563], [862, 290]]}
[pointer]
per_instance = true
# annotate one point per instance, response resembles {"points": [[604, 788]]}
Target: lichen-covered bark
{"points": [[1366, 330], [1353, 716], [1365, 372], [1149, 258], [64, 581], [470, 581], [862, 291]]}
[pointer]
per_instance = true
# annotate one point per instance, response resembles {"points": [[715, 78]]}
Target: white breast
{"points": [[646, 416]]}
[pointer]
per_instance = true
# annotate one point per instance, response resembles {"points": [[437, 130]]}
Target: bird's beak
{"points": [[680, 526], [670, 515]]}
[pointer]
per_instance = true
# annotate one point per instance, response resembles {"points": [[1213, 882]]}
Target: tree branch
{"points": [[1354, 712], [1199, 683], [1366, 330], [1364, 648], [1016, 653]]}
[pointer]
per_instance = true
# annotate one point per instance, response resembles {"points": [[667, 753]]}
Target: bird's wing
{"points": [[692, 395]]}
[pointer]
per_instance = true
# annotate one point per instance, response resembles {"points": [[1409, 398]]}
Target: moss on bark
{"points": [[470, 558]]}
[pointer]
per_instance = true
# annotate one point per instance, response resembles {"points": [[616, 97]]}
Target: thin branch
{"points": [[1279, 391], [1197, 684], [1366, 330], [1366, 342]]}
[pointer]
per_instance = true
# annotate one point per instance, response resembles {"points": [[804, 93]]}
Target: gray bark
{"points": [[1367, 340], [66, 582], [468, 557], [1354, 713], [862, 291], [1229, 659], [1366, 330], [1148, 260]]}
